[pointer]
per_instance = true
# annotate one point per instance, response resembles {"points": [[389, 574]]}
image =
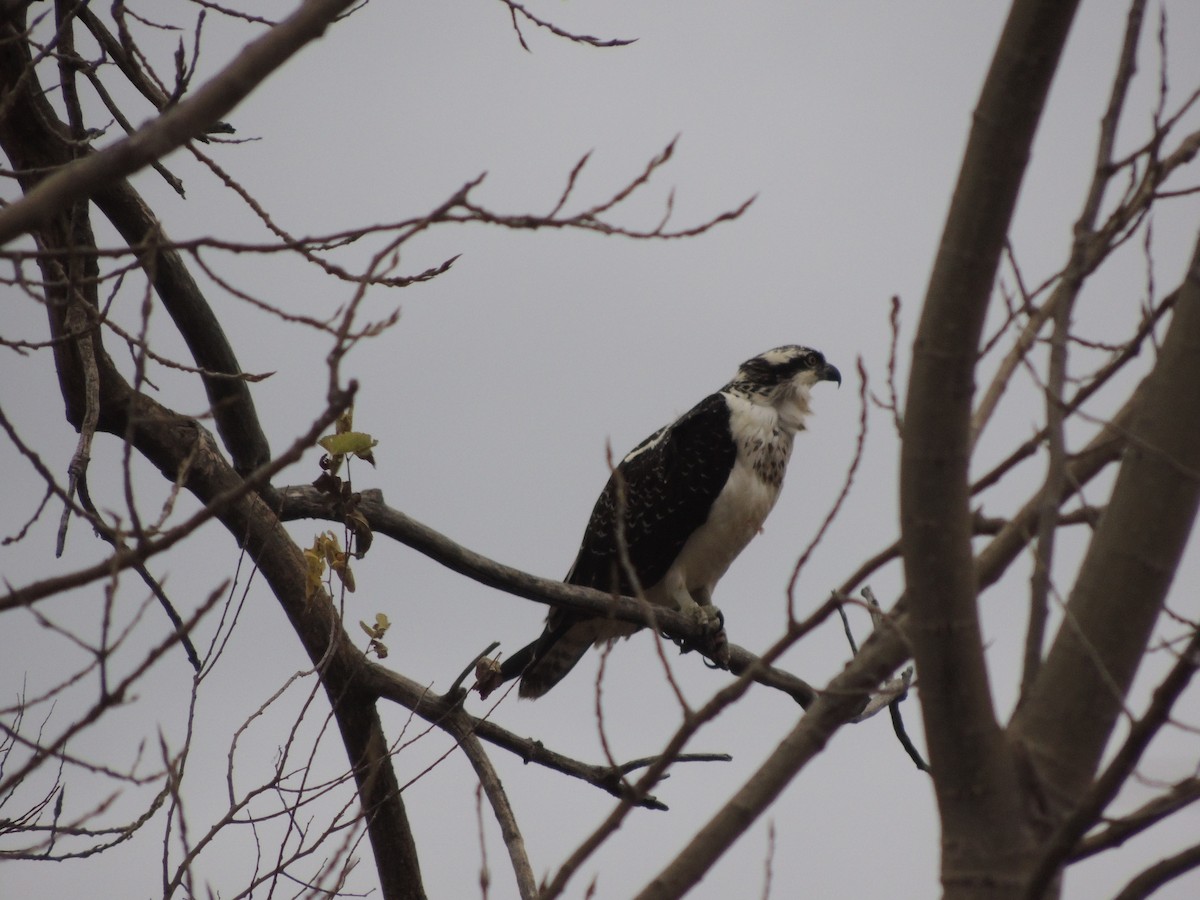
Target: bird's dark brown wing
{"points": [[670, 482], [665, 487]]}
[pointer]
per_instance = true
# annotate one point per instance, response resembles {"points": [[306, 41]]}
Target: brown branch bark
{"points": [[191, 117], [1141, 733], [229, 395], [985, 837], [37, 141], [836, 705], [1150, 880], [841, 701], [1088, 248], [887, 652], [155, 433], [447, 713], [174, 443], [489, 780], [181, 449], [304, 501], [1102, 450], [1118, 831], [1129, 566]]}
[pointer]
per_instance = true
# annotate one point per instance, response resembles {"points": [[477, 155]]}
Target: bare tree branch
{"points": [[966, 745], [1120, 830], [233, 408], [516, 9], [1118, 770], [1068, 717], [303, 501], [1160, 873], [182, 122], [837, 704], [505, 817], [1014, 802], [216, 507], [447, 713]]}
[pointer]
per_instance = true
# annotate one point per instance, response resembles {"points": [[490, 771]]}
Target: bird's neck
{"points": [[793, 409], [785, 408]]}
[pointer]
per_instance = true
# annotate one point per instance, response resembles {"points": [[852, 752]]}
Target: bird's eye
{"points": [[812, 360]]}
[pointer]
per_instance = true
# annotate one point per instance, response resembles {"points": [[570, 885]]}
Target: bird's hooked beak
{"points": [[830, 373]]}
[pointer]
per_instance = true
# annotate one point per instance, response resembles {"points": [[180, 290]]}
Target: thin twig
{"points": [[516, 9], [848, 482]]}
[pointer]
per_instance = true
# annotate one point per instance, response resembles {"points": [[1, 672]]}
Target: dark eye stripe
{"points": [[776, 366]]}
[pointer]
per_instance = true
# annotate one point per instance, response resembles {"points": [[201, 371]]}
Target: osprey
{"points": [[694, 493]]}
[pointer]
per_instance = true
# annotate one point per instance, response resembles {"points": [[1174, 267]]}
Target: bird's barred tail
{"points": [[543, 664], [548, 668]]}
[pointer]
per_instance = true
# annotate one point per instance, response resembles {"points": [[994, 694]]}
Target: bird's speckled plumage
{"points": [[694, 493]]}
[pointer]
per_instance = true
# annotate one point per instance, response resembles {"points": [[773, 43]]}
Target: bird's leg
{"points": [[712, 619], [702, 610]]}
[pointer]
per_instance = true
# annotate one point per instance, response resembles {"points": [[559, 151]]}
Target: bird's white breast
{"points": [[738, 513]]}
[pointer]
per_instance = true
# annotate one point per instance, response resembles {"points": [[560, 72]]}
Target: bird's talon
{"points": [[718, 650]]}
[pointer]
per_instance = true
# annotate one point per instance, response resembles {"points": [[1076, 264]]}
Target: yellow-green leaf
{"points": [[355, 442], [314, 560]]}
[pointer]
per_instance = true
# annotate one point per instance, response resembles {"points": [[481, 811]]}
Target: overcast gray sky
{"points": [[495, 396]]}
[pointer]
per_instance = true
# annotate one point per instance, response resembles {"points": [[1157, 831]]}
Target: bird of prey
{"points": [[691, 496]]}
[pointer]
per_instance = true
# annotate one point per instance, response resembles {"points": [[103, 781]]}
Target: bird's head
{"points": [[783, 378]]}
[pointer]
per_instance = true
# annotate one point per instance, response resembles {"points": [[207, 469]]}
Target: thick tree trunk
{"points": [[986, 837]]}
